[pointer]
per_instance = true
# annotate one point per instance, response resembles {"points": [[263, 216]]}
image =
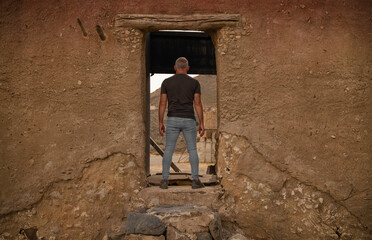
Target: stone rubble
{"points": [[141, 223], [187, 222]]}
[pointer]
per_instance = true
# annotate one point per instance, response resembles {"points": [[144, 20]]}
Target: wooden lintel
{"points": [[181, 22]]}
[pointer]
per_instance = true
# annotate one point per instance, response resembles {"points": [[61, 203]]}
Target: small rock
{"points": [[238, 236], [215, 227], [302, 6], [174, 234], [141, 223], [77, 225], [143, 237], [203, 236], [105, 237], [130, 165], [185, 219], [333, 136], [84, 214], [30, 233]]}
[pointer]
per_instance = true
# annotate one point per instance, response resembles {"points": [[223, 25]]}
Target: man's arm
{"points": [[162, 106], [199, 110]]}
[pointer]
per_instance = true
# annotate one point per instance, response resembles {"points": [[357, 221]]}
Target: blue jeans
{"points": [[173, 128]]}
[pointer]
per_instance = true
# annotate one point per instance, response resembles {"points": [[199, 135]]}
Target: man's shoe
{"points": [[164, 184], [196, 183]]}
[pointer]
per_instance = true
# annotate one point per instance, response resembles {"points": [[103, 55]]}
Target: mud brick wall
{"points": [[294, 116]]}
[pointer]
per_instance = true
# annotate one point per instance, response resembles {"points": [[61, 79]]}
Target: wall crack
{"points": [[295, 178], [48, 187]]}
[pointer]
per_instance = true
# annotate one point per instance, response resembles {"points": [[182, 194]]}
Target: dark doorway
{"points": [[166, 46], [163, 48]]}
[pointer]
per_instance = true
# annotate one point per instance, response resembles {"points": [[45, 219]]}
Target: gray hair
{"points": [[182, 63]]}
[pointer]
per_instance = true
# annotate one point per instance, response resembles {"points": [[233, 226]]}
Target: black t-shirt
{"points": [[180, 90]]}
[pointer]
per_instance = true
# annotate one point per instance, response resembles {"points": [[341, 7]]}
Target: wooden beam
{"points": [[158, 149], [182, 22]]}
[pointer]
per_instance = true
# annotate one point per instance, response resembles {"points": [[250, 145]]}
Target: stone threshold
{"points": [[181, 195], [182, 179]]}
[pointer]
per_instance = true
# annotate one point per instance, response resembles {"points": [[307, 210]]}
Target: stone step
{"points": [[181, 179], [181, 195], [186, 222]]}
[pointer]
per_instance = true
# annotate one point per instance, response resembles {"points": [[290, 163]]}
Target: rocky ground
{"points": [[171, 222]]}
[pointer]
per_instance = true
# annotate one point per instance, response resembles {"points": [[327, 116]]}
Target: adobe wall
{"points": [[72, 120], [294, 121], [294, 117]]}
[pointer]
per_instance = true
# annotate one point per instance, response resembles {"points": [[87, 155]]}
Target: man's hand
{"points": [[161, 129], [199, 111], [162, 105], [201, 130]]}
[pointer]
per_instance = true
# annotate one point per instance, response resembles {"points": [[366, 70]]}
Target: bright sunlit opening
{"points": [[157, 79]]}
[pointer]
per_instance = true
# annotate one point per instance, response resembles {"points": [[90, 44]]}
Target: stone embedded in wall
{"points": [[130, 38], [228, 40]]}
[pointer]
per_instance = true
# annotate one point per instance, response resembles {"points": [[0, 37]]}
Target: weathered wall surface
{"points": [[294, 103], [72, 119], [294, 117]]}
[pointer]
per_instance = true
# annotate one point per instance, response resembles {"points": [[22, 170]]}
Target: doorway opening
{"points": [[162, 49]]}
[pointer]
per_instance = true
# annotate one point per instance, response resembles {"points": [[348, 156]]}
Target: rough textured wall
{"points": [[295, 120], [72, 119], [294, 116]]}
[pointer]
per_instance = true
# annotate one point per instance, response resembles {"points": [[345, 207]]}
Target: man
{"points": [[181, 91]]}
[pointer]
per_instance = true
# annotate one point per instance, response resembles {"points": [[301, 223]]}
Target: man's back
{"points": [[180, 90]]}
